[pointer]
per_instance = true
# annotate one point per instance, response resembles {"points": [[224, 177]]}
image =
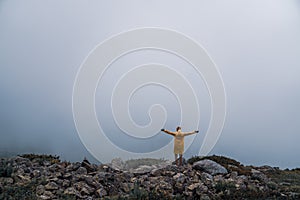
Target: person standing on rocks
{"points": [[178, 142]]}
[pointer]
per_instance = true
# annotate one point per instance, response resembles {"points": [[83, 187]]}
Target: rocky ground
{"points": [[215, 177]]}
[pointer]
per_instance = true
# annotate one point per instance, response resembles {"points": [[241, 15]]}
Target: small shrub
{"points": [[26, 192], [6, 168], [138, 192], [222, 186]]}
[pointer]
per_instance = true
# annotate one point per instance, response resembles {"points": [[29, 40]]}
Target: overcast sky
{"points": [[255, 44]]}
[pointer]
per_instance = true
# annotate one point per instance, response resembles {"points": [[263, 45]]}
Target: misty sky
{"points": [[255, 44]]}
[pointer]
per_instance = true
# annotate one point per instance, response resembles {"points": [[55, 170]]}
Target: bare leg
{"points": [[176, 159], [180, 157]]}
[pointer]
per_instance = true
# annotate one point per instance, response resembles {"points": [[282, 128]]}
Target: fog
{"points": [[255, 44]]}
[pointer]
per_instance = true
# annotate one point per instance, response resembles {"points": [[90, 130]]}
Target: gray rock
{"points": [[67, 175], [71, 191], [141, 169], [206, 177], [66, 183], [169, 173], [233, 174], [204, 197], [127, 187], [117, 163], [252, 187], [101, 192], [88, 179], [104, 168], [198, 188], [258, 175], [47, 195], [193, 186], [43, 197], [20, 160], [267, 168], [210, 167], [164, 188], [112, 189], [285, 183], [272, 185], [86, 164], [6, 180], [188, 194], [81, 171], [23, 179], [83, 188], [59, 182], [241, 182], [40, 189], [218, 178], [179, 177], [73, 166], [155, 172], [20, 171], [36, 173], [102, 176], [46, 163], [294, 195], [84, 191], [51, 186]]}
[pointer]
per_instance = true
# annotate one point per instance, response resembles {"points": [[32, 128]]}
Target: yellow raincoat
{"points": [[179, 140]]}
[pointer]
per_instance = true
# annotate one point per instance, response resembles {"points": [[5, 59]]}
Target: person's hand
{"points": [[162, 129], [196, 131]]}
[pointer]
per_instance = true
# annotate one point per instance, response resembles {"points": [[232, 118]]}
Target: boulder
{"points": [[210, 167]]}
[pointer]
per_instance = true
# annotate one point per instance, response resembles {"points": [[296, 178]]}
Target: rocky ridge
{"points": [[215, 177]]}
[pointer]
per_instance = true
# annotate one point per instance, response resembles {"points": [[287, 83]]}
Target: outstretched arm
{"points": [[169, 132], [190, 133]]}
